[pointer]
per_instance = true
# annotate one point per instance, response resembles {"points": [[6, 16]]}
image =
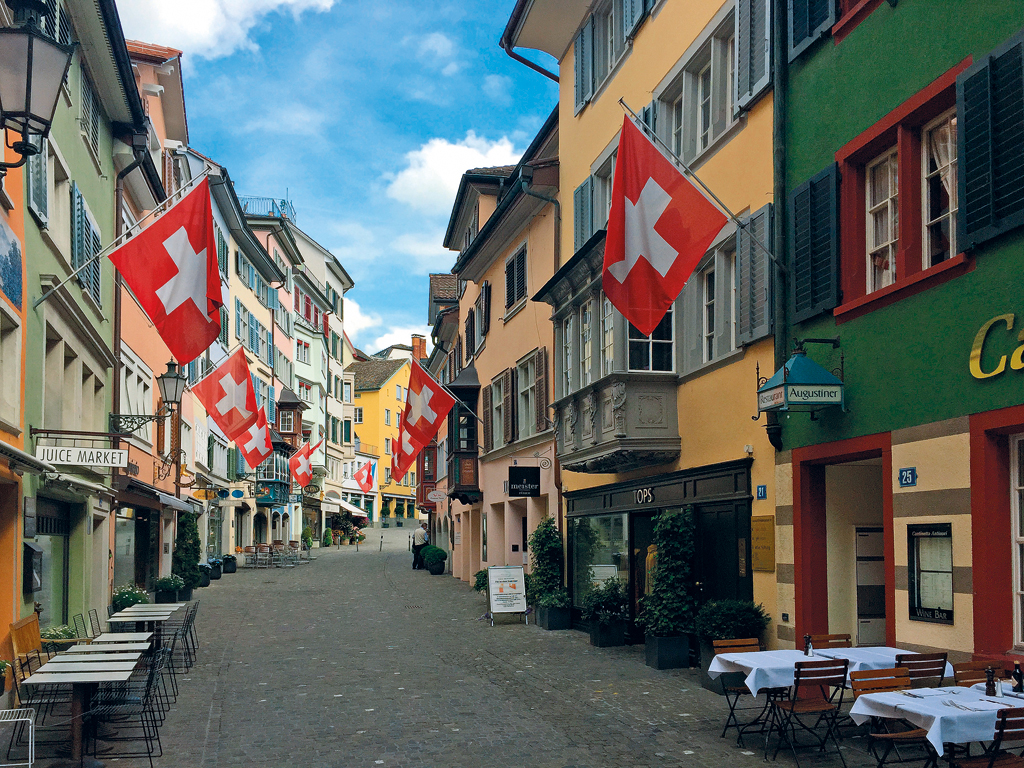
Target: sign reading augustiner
{"points": [[800, 385], [84, 457]]}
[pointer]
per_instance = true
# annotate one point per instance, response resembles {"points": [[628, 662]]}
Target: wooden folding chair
{"points": [[968, 673], [812, 681], [1009, 728], [927, 670], [734, 692], [884, 681], [831, 641]]}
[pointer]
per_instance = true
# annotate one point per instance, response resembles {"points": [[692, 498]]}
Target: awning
{"points": [[76, 483], [174, 503], [801, 385], [24, 462]]}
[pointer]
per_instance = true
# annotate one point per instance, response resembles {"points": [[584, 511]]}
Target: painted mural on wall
{"points": [[10, 264]]}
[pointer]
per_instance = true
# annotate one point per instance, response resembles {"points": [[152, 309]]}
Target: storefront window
{"points": [[599, 552], [931, 572], [1017, 503], [124, 548]]}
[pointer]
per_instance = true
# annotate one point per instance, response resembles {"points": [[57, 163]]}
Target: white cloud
{"points": [[431, 177], [452, 68], [496, 88], [357, 321], [436, 44], [353, 242], [398, 335], [426, 249], [207, 28]]}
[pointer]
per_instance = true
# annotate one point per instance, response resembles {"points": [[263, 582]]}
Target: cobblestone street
{"points": [[357, 660]]}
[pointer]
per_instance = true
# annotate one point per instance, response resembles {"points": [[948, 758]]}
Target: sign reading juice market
{"points": [[82, 457]]}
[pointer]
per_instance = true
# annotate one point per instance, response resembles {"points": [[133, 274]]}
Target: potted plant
{"points": [[434, 557], [6, 672], [726, 620], [307, 537], [480, 581], [327, 538], [548, 558], [605, 607], [230, 564], [185, 561], [666, 610], [127, 595], [205, 569], [215, 566], [167, 588]]}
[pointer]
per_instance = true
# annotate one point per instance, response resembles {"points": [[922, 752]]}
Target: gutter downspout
{"points": [[509, 47], [780, 61], [525, 188]]}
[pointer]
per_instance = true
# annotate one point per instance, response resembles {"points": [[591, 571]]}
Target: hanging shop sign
{"points": [[437, 496], [524, 481], [800, 385], [205, 494], [82, 457]]}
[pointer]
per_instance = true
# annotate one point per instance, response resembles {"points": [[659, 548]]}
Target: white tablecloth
{"points": [[883, 657], [764, 669], [931, 709]]}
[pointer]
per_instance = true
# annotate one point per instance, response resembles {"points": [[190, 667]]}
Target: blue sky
{"points": [[365, 114]]}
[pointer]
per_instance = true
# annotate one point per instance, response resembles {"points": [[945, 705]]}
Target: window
{"points": [[357, 415], [387, 416], [654, 352], [91, 115], [586, 343], [602, 196], [567, 355], [498, 412], [708, 314], [939, 161], [347, 389], [526, 410], [607, 335], [287, 421], [136, 390], [515, 279], [931, 572], [305, 392], [387, 446], [302, 351], [398, 392], [1017, 516], [882, 220], [387, 474], [10, 368]]}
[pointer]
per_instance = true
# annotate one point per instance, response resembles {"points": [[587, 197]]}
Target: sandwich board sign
{"points": [[506, 590]]}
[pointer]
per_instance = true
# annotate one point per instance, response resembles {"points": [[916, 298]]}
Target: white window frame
{"points": [[1016, 510], [497, 413], [387, 446], [387, 417], [882, 251], [287, 417], [357, 415], [947, 119], [586, 354], [708, 310], [607, 335], [567, 339], [527, 396], [630, 341]]}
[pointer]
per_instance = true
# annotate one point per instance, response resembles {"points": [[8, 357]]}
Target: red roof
{"points": [[152, 50]]}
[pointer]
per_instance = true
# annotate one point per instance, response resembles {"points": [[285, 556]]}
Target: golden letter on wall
{"points": [[979, 344]]}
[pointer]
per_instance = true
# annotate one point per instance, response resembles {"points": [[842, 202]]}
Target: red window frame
{"points": [[901, 128], [849, 14]]}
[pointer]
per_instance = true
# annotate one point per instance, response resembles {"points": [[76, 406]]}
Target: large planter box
{"points": [[184, 595], [215, 572], [667, 652], [554, 618], [436, 569], [608, 635], [166, 596]]}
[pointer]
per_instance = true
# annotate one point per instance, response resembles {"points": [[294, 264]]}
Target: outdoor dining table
{"points": [[149, 607], [950, 715], [122, 637], [82, 683], [104, 649], [871, 657], [149, 619], [86, 664], [95, 658]]}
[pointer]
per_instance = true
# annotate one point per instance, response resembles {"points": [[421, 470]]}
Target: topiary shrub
{"points": [[480, 580], [548, 559], [731, 619], [185, 561], [328, 539], [668, 609], [432, 554], [307, 537], [605, 603]]}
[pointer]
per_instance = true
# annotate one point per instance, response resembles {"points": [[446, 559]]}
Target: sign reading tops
{"points": [[84, 457], [800, 385]]}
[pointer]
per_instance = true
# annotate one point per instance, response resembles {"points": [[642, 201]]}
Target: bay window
{"points": [[654, 352], [586, 339]]}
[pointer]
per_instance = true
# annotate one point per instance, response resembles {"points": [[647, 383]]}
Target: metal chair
{"points": [[927, 670], [811, 683], [22, 720], [733, 693], [134, 710], [1009, 728], [883, 681], [96, 629]]}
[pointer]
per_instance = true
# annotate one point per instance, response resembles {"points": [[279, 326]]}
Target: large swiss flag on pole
{"points": [[171, 267], [228, 396], [659, 227], [426, 405]]}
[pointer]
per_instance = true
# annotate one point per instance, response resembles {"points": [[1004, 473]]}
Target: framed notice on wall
{"points": [[930, 550], [506, 589], [762, 543]]}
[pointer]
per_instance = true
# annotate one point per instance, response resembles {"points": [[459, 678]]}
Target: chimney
{"points": [[419, 347]]}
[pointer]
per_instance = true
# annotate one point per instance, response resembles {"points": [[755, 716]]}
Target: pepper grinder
{"points": [[990, 682], [808, 648], [1018, 678]]}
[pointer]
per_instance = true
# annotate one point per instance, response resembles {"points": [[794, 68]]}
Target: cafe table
{"points": [[83, 684], [763, 669], [107, 648], [122, 637], [871, 657], [95, 658], [86, 664], [949, 715], [147, 607]]}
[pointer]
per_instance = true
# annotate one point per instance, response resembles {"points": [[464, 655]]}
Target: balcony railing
{"points": [[267, 206], [362, 447]]}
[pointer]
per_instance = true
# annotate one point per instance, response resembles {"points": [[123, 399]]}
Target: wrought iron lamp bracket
{"points": [[127, 423]]}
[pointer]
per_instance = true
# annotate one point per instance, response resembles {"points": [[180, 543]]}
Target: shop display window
{"points": [[599, 552], [931, 572]]}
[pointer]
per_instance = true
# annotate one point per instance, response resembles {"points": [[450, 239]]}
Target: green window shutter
{"points": [[222, 252], [583, 56], [232, 464], [94, 280], [990, 145], [808, 21], [210, 442], [754, 284], [225, 321], [77, 217], [238, 319], [348, 431], [583, 213], [753, 51], [36, 182], [814, 245], [271, 405]]}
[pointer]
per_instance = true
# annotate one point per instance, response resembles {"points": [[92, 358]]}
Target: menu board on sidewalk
{"points": [[506, 589]]}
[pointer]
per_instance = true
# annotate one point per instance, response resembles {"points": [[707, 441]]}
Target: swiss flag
{"points": [[426, 405], [228, 397], [301, 464], [404, 451], [659, 227], [171, 267], [366, 476], [255, 443]]}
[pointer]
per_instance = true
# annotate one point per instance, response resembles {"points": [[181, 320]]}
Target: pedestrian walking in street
{"points": [[420, 539]]}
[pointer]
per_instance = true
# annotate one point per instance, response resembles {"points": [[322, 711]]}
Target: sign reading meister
{"points": [[524, 481]]}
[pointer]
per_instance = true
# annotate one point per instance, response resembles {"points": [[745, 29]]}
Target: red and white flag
{"points": [[426, 405], [171, 267], [366, 476], [659, 227], [255, 443], [301, 464], [228, 397], [404, 451]]}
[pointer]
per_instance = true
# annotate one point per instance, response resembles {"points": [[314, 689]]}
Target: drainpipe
{"points": [[509, 47], [780, 60]]}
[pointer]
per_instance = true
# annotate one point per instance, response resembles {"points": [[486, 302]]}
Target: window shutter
{"points": [[753, 51], [540, 362], [632, 12], [271, 406], [513, 400], [990, 145], [35, 181], [224, 323], [510, 283], [814, 245], [94, 275], [582, 207], [583, 56], [470, 333], [691, 304], [506, 407], [77, 232], [649, 117], [485, 308], [808, 20], [238, 319], [232, 464], [488, 416], [521, 275], [754, 284]]}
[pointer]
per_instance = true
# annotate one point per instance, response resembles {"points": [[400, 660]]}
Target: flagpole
{"points": [[164, 207], [686, 168], [214, 366], [460, 401]]}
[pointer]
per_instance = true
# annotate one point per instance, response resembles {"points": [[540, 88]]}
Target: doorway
{"points": [[723, 552]]}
